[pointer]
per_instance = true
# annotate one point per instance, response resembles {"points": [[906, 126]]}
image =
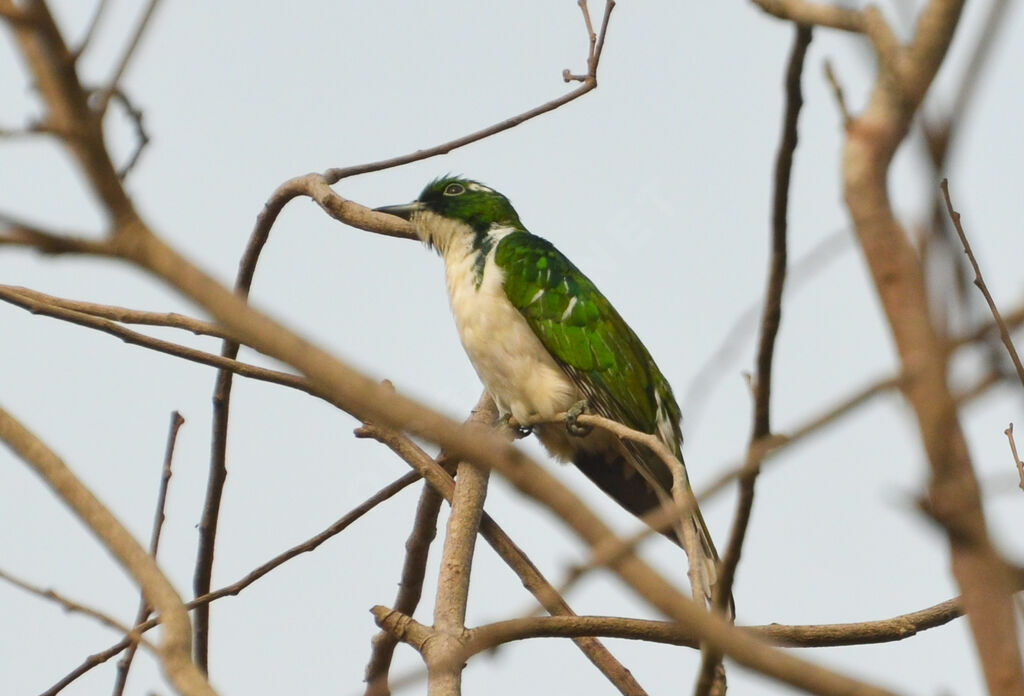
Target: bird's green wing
{"points": [[587, 336], [606, 361]]}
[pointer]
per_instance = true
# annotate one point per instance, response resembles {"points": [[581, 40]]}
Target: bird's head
{"points": [[452, 208]]}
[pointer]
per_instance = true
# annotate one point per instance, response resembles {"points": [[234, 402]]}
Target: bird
{"points": [[545, 341]]}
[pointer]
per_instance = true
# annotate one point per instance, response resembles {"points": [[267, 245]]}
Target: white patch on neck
{"points": [[515, 367]]}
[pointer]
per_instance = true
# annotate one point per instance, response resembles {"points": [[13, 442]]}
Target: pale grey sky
{"points": [[657, 185]]}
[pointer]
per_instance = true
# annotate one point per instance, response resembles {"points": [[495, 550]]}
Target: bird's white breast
{"points": [[515, 367]]}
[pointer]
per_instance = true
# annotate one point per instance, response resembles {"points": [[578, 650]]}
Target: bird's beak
{"points": [[404, 211]]}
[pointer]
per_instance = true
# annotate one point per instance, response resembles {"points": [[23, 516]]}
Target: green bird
{"points": [[545, 341]]}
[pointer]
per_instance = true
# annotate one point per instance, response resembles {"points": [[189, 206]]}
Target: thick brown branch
{"points": [[542, 487], [175, 642], [513, 556], [53, 68], [450, 604], [955, 500], [814, 14], [251, 577]]}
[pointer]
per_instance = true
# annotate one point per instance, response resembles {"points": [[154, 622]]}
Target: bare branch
{"points": [[154, 544], [113, 86], [606, 551], [235, 588], [141, 134], [1004, 333], [596, 43], [11, 13], [837, 92], [871, 143], [1016, 459], [542, 487], [53, 68], [30, 301], [175, 642], [410, 588], [90, 31], [672, 633], [509, 552], [814, 14], [771, 319], [120, 314], [467, 506], [20, 233], [413, 570], [134, 636]]}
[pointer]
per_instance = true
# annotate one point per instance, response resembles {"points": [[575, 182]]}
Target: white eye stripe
{"points": [[479, 187]]}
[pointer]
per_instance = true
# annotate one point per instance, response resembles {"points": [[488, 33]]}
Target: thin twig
{"points": [[837, 92], [90, 31], [1004, 333], [134, 635], [940, 135], [121, 314], [158, 590], [113, 85], [141, 134], [673, 633], [252, 576], [36, 306], [417, 548], [17, 232], [711, 675], [1016, 459], [154, 545]]}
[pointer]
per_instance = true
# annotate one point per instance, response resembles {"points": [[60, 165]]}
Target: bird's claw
{"points": [[518, 431], [574, 428]]}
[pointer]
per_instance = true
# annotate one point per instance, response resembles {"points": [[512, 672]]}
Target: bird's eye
{"points": [[454, 189]]}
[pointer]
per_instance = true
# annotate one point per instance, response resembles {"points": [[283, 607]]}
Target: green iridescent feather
{"points": [[591, 340]]}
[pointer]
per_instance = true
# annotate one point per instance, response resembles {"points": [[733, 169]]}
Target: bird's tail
{"points": [[694, 537], [641, 483]]}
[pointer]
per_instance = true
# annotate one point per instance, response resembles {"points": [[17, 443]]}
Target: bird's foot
{"points": [[575, 429], [518, 431]]}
